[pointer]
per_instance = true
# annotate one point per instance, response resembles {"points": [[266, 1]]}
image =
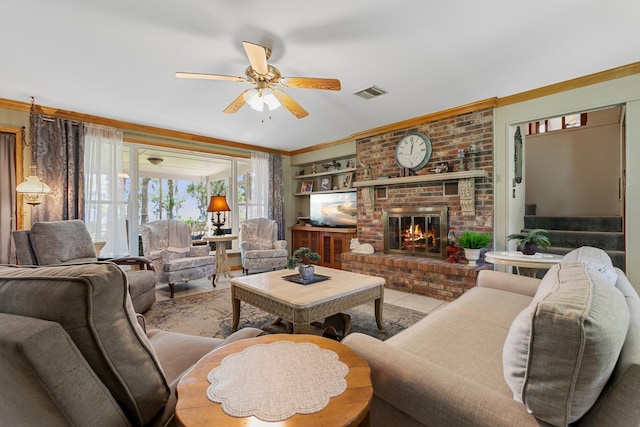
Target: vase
{"points": [[529, 248], [306, 272], [472, 255]]}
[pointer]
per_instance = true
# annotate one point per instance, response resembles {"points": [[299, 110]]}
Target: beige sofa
{"points": [[517, 351], [74, 353]]}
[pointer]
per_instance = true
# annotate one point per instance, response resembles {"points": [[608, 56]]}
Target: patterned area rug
{"points": [[209, 314]]}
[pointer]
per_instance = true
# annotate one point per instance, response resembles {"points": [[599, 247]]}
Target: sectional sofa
{"points": [[517, 351]]}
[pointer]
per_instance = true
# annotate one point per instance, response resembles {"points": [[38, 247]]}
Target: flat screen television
{"points": [[333, 209]]}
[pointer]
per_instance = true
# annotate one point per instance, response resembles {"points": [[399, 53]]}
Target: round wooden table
{"points": [[351, 408], [527, 265]]}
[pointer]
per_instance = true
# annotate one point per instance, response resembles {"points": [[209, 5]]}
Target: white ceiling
{"points": [[117, 58]]}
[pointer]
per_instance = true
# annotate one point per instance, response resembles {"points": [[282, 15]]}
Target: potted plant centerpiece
{"points": [[303, 258], [473, 242], [528, 242]]}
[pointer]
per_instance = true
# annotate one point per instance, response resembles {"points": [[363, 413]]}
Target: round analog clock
{"points": [[413, 151]]}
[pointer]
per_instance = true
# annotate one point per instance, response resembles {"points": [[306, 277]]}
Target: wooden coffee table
{"points": [[351, 408], [303, 304]]}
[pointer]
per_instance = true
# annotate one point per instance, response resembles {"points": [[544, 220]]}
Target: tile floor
{"points": [[401, 299]]}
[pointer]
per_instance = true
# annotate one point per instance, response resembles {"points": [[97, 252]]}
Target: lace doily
{"points": [[275, 381]]}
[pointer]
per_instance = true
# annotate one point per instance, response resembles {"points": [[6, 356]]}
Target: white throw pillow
{"points": [[595, 258], [561, 350]]}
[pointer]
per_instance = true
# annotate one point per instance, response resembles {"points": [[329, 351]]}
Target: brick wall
{"points": [[426, 276], [416, 275]]}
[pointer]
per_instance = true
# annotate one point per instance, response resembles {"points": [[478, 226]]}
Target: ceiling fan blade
{"points": [[182, 75], [236, 104], [290, 104], [257, 57], [311, 83]]}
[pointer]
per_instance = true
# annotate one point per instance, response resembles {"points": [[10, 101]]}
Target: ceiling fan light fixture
{"points": [[257, 98], [270, 99]]}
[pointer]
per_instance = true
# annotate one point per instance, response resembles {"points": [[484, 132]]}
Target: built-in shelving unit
{"points": [[338, 178], [334, 181]]}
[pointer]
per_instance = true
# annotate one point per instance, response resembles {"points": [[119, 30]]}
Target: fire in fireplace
{"points": [[416, 231]]}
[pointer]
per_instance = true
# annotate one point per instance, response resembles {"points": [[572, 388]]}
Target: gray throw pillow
{"points": [[561, 350]]}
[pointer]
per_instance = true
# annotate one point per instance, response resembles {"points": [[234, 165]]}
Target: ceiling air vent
{"points": [[370, 92]]}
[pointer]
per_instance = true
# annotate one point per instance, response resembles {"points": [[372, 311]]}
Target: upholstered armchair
{"points": [[68, 242], [74, 353], [169, 246], [260, 248]]}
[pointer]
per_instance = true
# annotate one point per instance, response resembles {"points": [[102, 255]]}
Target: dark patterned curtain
{"points": [[59, 156], [7, 195], [276, 191]]}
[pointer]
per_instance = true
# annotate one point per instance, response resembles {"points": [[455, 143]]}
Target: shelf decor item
{"points": [[303, 258], [473, 242], [307, 187], [348, 179], [325, 184], [528, 242]]}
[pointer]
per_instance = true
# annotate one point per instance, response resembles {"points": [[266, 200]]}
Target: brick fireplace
{"points": [[415, 231], [430, 276]]}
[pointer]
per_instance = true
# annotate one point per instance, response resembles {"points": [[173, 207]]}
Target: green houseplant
{"points": [[528, 242], [473, 242], [303, 258]]}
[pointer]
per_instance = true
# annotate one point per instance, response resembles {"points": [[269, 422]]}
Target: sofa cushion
{"points": [[47, 382], [561, 350], [91, 302], [594, 258], [270, 253]]}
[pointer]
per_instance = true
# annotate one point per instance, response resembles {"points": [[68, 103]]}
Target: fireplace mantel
{"points": [[445, 176], [465, 179]]}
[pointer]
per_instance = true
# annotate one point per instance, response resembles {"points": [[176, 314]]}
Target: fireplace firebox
{"points": [[416, 231]]}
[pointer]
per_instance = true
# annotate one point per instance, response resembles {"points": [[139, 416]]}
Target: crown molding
{"points": [[133, 127], [440, 115], [612, 74], [588, 80]]}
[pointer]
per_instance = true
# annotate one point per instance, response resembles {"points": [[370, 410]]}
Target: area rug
{"points": [[209, 314]]}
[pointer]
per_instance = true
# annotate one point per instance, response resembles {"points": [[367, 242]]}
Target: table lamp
{"points": [[218, 205]]}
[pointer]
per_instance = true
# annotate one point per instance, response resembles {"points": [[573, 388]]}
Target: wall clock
{"points": [[413, 151]]}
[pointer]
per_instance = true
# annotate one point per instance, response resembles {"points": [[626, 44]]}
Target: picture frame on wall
{"points": [[307, 187], [325, 184], [348, 180]]}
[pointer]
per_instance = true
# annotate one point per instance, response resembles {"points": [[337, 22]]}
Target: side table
{"points": [[222, 260], [350, 408], [527, 265]]}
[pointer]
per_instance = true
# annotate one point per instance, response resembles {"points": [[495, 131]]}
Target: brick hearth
{"points": [[424, 276]]}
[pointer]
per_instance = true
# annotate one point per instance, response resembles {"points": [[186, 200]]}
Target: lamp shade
{"points": [[218, 204], [32, 187]]}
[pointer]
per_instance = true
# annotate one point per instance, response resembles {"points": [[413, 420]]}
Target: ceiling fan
{"points": [[265, 77]]}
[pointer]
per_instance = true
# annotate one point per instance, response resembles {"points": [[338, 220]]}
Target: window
{"points": [[177, 184], [557, 123]]}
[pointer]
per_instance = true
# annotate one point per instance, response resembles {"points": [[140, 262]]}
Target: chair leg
{"points": [[213, 280], [171, 285]]}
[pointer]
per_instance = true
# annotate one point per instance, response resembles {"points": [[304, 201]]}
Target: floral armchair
{"points": [[169, 246], [259, 245]]}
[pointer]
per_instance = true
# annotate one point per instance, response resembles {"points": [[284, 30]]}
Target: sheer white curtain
{"points": [[104, 198], [258, 203]]}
